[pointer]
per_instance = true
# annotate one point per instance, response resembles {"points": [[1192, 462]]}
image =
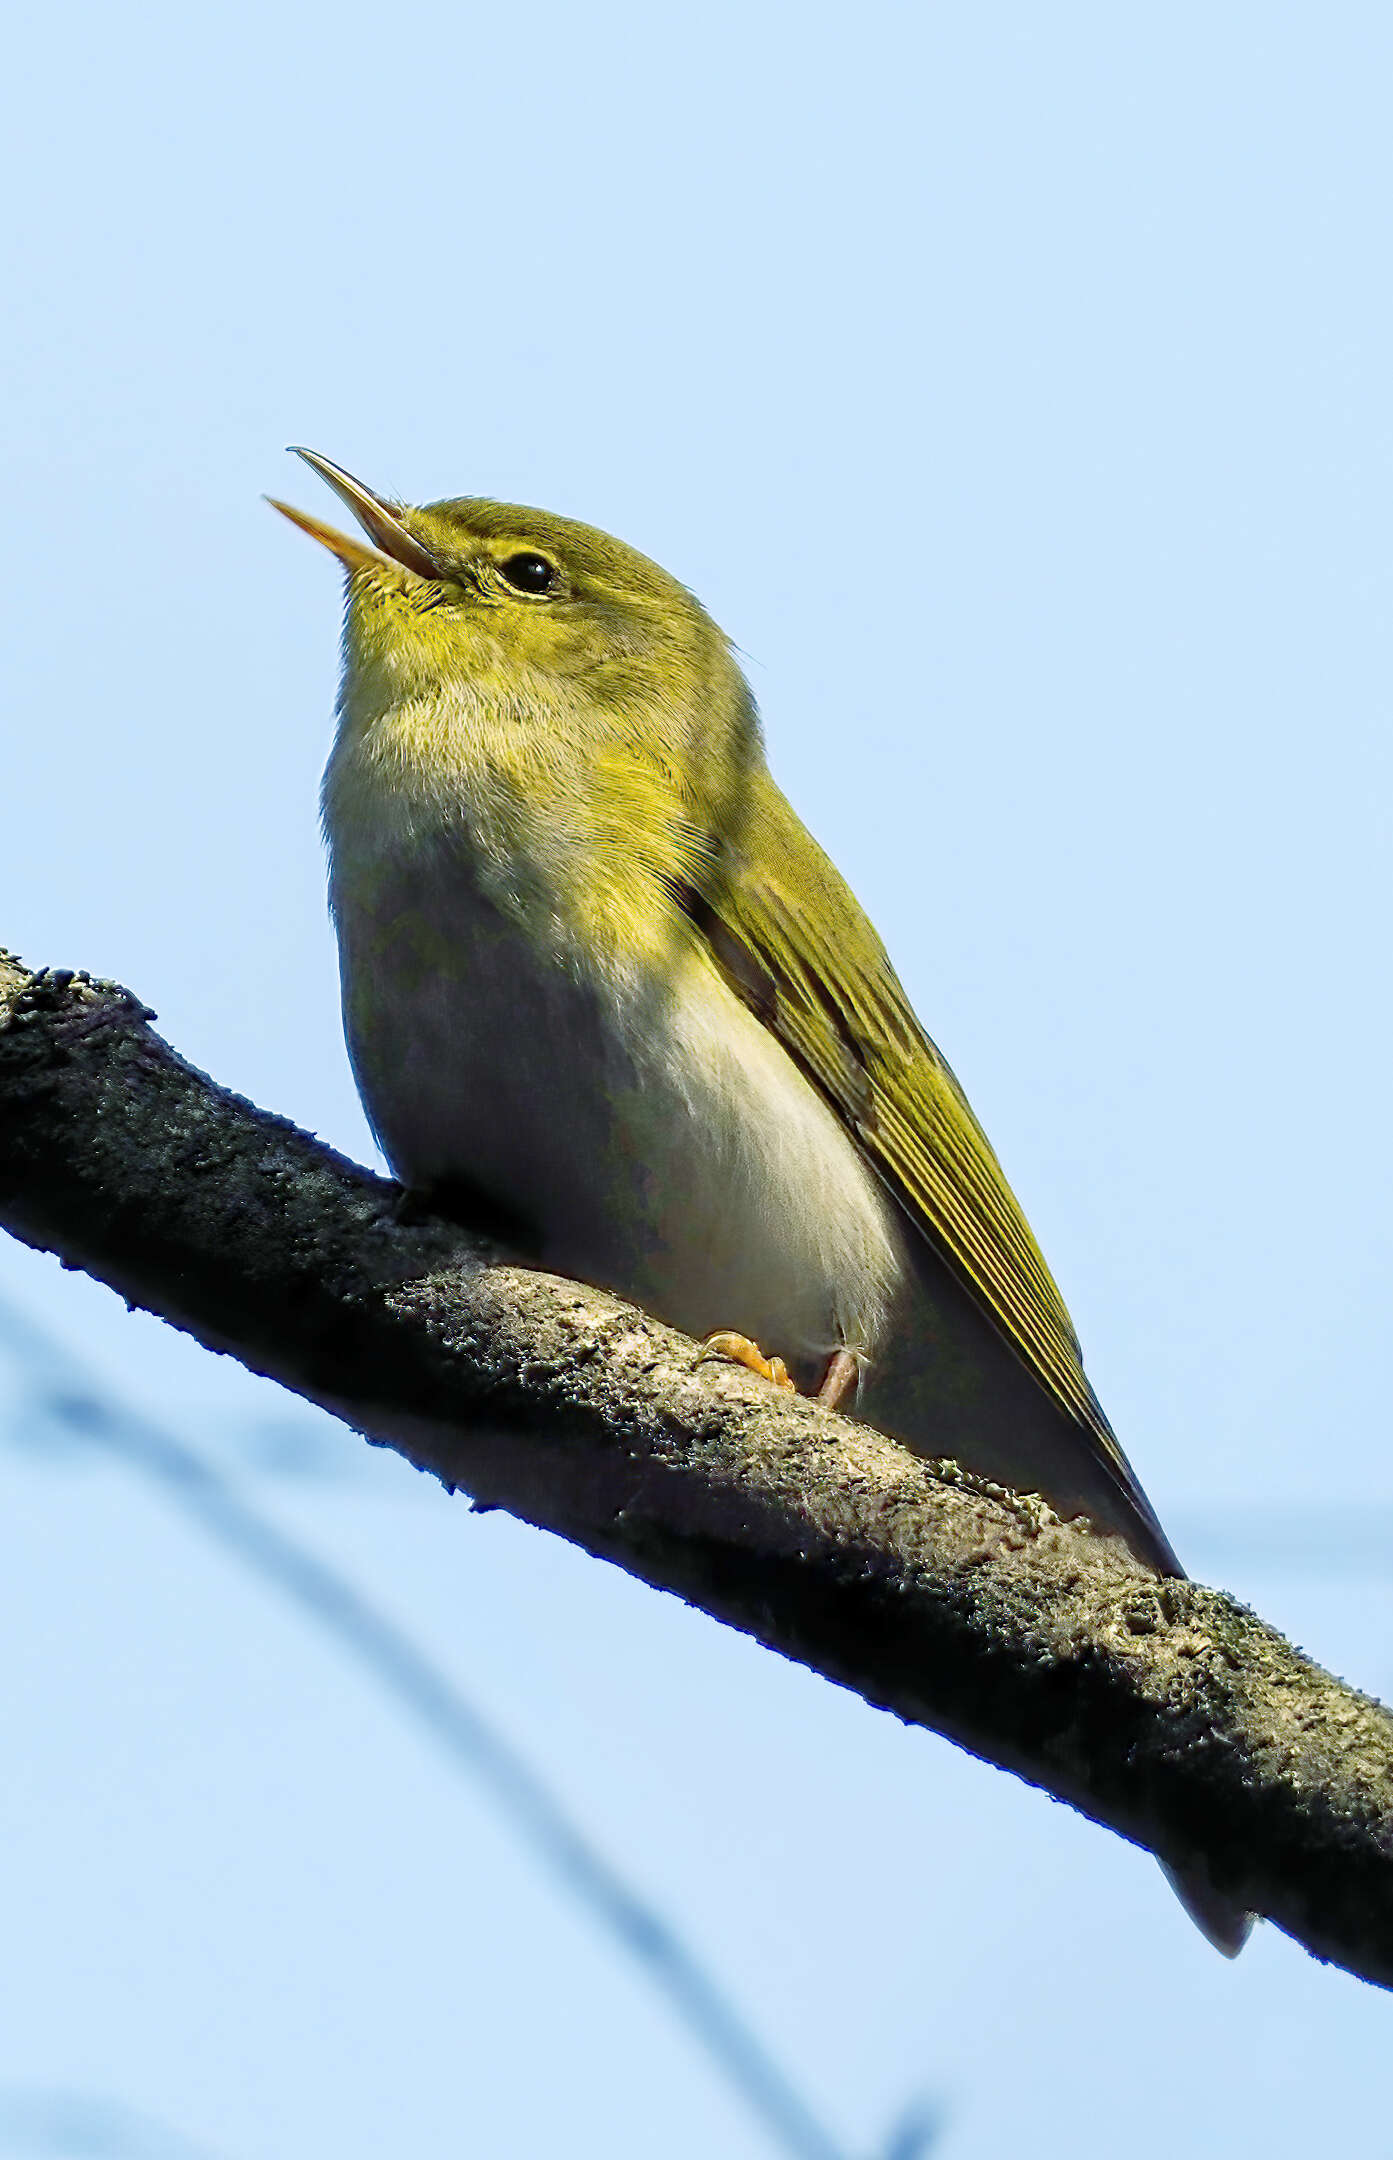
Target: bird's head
{"points": [[519, 611]]}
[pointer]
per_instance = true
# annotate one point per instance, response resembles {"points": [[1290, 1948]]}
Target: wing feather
{"points": [[793, 942]]}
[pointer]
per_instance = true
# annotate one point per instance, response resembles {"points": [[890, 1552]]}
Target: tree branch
{"points": [[1163, 1710]]}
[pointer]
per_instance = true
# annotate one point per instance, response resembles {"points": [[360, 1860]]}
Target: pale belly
{"points": [[653, 1137], [658, 1141]]}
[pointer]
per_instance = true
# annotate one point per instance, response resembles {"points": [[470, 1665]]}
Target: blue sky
{"points": [[1012, 384]]}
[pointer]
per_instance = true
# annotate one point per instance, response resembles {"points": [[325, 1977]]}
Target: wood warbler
{"points": [[600, 981]]}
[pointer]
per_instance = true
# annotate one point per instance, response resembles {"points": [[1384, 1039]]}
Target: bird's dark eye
{"points": [[528, 573]]}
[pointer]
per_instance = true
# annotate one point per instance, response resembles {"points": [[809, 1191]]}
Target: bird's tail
{"points": [[1218, 1919]]}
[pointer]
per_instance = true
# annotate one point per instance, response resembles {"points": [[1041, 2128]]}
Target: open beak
{"points": [[395, 547]]}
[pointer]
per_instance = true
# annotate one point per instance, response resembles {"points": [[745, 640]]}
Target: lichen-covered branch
{"points": [[1159, 1708]]}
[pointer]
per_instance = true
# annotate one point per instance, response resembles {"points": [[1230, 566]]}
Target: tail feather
{"points": [[1222, 1923]]}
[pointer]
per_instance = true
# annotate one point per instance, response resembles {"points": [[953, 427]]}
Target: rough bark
{"points": [[1164, 1710]]}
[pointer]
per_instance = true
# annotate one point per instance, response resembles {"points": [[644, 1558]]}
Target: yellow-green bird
{"points": [[599, 980]]}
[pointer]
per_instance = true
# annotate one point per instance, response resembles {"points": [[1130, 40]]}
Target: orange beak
{"points": [[395, 549]]}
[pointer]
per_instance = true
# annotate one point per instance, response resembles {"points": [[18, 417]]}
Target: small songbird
{"points": [[603, 989]]}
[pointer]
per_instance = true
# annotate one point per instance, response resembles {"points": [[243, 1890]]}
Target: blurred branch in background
{"points": [[62, 2123], [59, 1396]]}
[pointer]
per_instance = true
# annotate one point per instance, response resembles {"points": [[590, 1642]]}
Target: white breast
{"points": [[652, 1131]]}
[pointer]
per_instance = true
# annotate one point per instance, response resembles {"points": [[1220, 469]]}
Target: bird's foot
{"points": [[739, 1350], [839, 1380]]}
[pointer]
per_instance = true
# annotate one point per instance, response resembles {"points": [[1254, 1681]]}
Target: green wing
{"points": [[793, 942]]}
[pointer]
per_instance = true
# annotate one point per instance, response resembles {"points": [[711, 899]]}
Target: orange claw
{"points": [[725, 1343]]}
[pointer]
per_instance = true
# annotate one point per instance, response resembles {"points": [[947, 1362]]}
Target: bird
{"points": [[603, 992]]}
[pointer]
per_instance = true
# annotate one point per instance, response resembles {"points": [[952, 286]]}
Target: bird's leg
{"points": [[839, 1380], [410, 1207], [473, 1207], [725, 1343]]}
